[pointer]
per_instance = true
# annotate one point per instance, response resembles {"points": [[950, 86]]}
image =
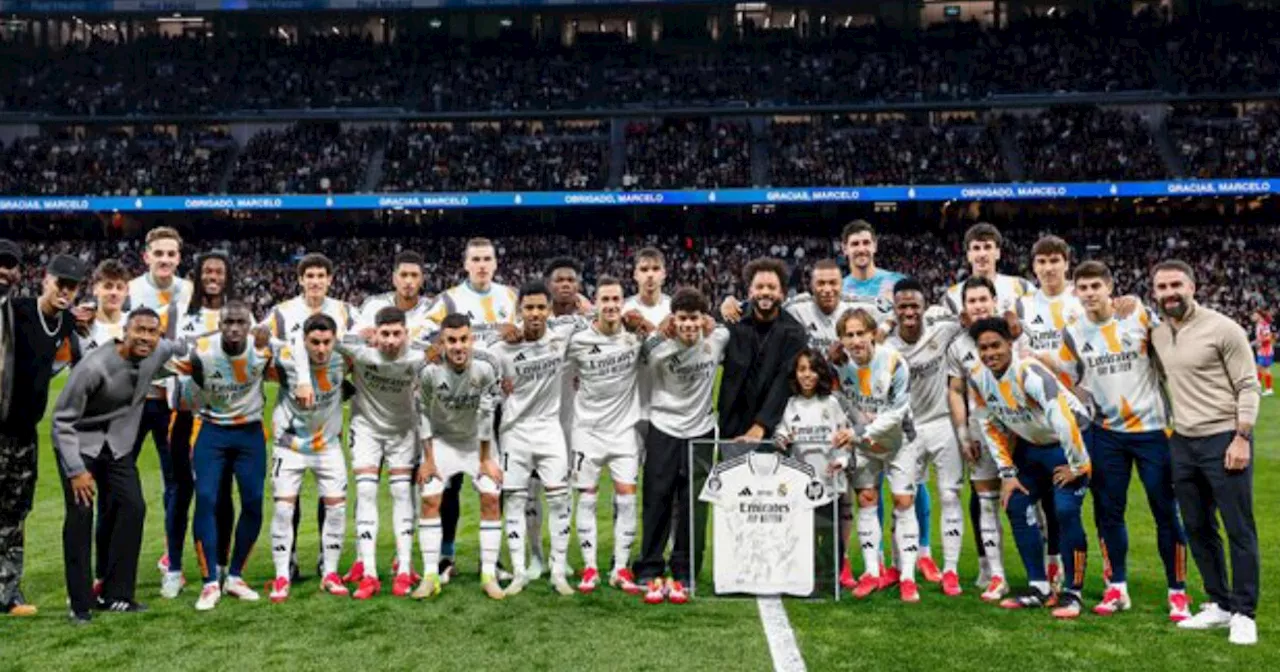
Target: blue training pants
{"points": [[1035, 471], [242, 450]]}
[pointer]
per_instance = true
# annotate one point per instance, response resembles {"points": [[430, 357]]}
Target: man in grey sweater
{"points": [[1207, 365], [95, 422]]}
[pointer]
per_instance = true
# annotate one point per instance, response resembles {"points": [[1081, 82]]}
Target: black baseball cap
{"points": [[9, 250], [67, 267]]}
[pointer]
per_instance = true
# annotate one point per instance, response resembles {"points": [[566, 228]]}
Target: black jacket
{"points": [[757, 373]]}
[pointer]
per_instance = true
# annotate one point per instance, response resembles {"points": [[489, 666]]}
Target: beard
{"points": [[1178, 310]]}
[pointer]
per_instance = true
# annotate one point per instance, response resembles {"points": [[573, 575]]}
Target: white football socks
{"points": [[906, 537], [334, 534], [586, 517], [490, 545], [533, 517], [367, 522], [515, 501], [992, 532], [952, 529], [282, 537], [869, 538], [430, 536], [624, 530], [560, 506], [402, 517]]}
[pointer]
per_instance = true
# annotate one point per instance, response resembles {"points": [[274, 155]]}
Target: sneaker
{"points": [[1053, 571], [995, 590], [163, 563], [209, 596], [984, 573], [237, 588], [951, 584], [889, 577], [909, 591], [1179, 607], [1244, 631], [446, 570], [1268, 393], [1211, 616], [23, 610], [518, 582], [1027, 598], [1113, 600], [846, 575], [489, 584], [368, 587], [590, 580], [624, 580], [866, 585], [535, 569], [928, 570], [656, 592], [503, 574], [171, 585], [402, 585], [121, 606], [413, 576], [97, 588], [80, 617], [278, 589], [332, 584], [355, 574], [676, 594], [428, 588], [561, 584], [1069, 606]]}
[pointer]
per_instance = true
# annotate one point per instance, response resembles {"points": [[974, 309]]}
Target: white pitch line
{"points": [[781, 638]]}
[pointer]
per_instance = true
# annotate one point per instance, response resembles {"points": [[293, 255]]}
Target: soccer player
{"points": [[310, 439], [229, 370], [1031, 424], [213, 278], [820, 307], [922, 336], [979, 299], [877, 383], [406, 278], [982, 243], [530, 431], [606, 411], [865, 281], [650, 274], [456, 429], [683, 371], [383, 432], [1109, 357], [161, 290], [1264, 339], [315, 276], [110, 290], [487, 304]]}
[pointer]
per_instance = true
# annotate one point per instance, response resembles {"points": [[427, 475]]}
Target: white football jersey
{"points": [[101, 333], [287, 317], [415, 318], [384, 404], [880, 393], [169, 303], [536, 370], [458, 406], [182, 392], [1044, 318], [1009, 289], [608, 390], [314, 430], [808, 426], [763, 507], [654, 314], [486, 309], [927, 363], [820, 327], [683, 380]]}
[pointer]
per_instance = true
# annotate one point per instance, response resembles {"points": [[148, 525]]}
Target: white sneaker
{"points": [[535, 569], [1244, 631], [171, 585], [1210, 616], [209, 597], [561, 584], [237, 588], [984, 574], [1268, 393], [518, 582]]}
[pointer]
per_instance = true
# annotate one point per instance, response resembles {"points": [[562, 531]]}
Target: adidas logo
{"points": [[991, 398], [282, 548], [1039, 320], [190, 327], [444, 387], [595, 350], [296, 328], [796, 418], [988, 544], [585, 545], [366, 536], [1088, 347], [217, 375], [746, 492], [953, 533], [333, 547], [813, 326], [513, 535], [520, 357], [866, 546]]}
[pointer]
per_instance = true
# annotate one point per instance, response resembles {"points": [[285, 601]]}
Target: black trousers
{"points": [[1206, 489], [17, 493], [123, 511], [667, 501]]}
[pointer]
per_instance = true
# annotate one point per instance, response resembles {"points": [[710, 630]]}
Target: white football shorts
{"points": [[936, 444], [288, 467], [535, 448], [594, 449], [901, 468], [369, 451]]}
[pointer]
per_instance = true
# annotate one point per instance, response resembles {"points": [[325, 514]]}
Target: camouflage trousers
{"points": [[17, 493]]}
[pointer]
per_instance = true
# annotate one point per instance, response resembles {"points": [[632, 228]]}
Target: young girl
{"points": [[813, 418]]}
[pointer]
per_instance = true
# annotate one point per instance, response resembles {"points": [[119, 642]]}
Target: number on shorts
{"points": [[279, 463], [506, 457], [581, 456]]}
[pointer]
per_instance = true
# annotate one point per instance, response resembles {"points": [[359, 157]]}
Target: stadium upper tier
{"points": [[1076, 144], [1232, 53]]}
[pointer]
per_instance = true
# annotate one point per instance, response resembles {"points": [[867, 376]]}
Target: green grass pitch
{"points": [[539, 630]]}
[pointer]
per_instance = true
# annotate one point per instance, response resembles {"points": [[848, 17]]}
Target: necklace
{"points": [[45, 325]]}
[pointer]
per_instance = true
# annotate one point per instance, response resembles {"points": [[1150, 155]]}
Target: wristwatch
{"points": [[1247, 436], [1008, 472]]}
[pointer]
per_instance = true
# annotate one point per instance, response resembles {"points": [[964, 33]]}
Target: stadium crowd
{"points": [[695, 154], [1089, 144], [1229, 146], [1228, 50], [1239, 270]]}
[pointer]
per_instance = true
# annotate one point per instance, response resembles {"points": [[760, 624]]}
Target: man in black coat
{"points": [[757, 363]]}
